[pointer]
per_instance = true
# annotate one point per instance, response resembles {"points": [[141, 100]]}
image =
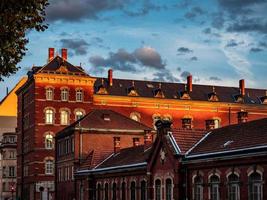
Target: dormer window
{"points": [[185, 94], [49, 93], [101, 88], [264, 98], [132, 91], [64, 94], [213, 96], [158, 93]]}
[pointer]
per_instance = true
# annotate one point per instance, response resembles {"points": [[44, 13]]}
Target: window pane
{"points": [[49, 114], [168, 189], [64, 117], [158, 190], [143, 190]]}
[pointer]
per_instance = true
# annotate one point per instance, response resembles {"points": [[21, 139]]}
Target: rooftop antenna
{"points": [[7, 91]]}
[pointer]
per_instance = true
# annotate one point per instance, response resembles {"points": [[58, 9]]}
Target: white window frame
{"points": [[79, 95], [64, 94], [49, 94], [49, 116], [49, 141], [49, 167], [64, 117]]}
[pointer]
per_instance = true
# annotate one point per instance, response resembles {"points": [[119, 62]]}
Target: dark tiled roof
{"points": [[127, 156], [234, 137], [106, 120], [185, 138], [121, 87], [55, 65]]}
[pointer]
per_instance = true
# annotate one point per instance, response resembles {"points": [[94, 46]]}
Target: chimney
{"points": [[242, 116], [64, 53], [117, 145], [147, 139], [242, 87], [136, 142], [110, 77], [210, 124], [189, 83], [51, 54]]}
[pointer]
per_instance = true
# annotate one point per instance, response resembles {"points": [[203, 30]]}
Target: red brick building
{"points": [[58, 93], [87, 142], [226, 163]]}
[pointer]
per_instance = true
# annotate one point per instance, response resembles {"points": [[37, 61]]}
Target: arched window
{"points": [[98, 191], [168, 186], [64, 94], [158, 189], [49, 116], [49, 167], [233, 187], [64, 117], [135, 116], [79, 95], [106, 191], [123, 191], [255, 186], [78, 115], [214, 187], [49, 93], [114, 191], [198, 188], [133, 195], [143, 190], [49, 141]]}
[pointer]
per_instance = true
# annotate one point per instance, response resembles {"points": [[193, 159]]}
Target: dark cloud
{"points": [[185, 74], [249, 25], [231, 43], [128, 61], [214, 78], [194, 58], [207, 31], [235, 5], [194, 12], [184, 50], [263, 44], [179, 69], [217, 20], [77, 46], [255, 50], [75, 10], [146, 7], [165, 76]]}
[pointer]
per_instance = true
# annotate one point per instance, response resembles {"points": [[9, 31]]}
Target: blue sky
{"points": [[217, 41]]}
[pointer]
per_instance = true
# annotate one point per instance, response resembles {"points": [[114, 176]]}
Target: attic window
{"points": [[227, 143], [106, 117]]}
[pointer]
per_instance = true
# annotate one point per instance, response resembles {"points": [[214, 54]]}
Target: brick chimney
{"points": [[117, 144], [51, 54], [210, 124], [242, 116], [189, 84], [242, 87], [110, 77], [64, 53], [136, 142]]}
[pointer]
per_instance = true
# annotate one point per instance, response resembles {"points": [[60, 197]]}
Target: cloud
{"points": [[194, 12], [184, 50], [185, 74], [165, 76], [215, 78], [76, 10], [231, 43], [263, 44], [146, 7], [194, 58], [217, 20], [78, 46], [123, 60], [249, 25], [255, 50], [207, 31]]}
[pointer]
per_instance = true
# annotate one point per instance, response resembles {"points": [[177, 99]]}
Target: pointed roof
{"points": [[60, 66], [233, 138]]}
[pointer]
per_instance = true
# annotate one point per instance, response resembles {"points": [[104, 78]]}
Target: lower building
{"points": [[225, 163], [8, 165], [89, 141]]}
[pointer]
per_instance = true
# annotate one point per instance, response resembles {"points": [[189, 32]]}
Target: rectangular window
{"points": [[49, 94], [79, 95], [11, 171], [64, 95], [12, 154], [49, 167]]}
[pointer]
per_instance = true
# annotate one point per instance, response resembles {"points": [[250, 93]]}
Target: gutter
{"points": [[174, 143], [111, 169]]}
